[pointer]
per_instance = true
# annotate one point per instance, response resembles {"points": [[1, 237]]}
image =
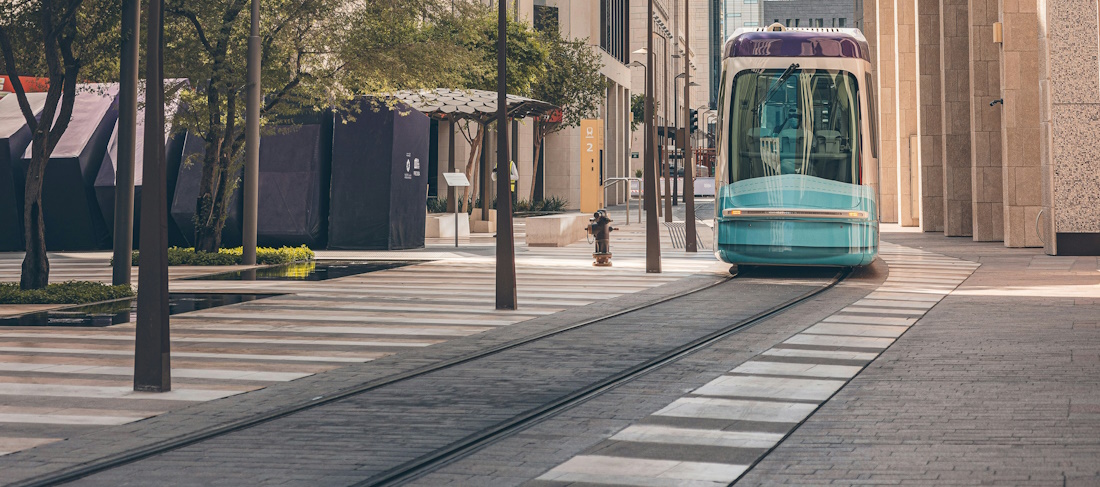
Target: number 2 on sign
{"points": [[590, 147]]}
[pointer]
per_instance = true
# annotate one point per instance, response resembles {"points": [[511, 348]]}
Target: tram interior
{"points": [[797, 122]]}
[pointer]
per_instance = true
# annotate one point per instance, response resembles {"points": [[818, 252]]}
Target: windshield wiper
{"points": [[775, 86]]}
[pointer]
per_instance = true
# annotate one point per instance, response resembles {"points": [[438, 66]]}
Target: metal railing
{"points": [[609, 182]]}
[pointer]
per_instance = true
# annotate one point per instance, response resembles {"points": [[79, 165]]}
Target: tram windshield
{"points": [[794, 121]]}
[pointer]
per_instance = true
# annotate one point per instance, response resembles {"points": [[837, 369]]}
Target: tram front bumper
{"points": [[797, 241]]}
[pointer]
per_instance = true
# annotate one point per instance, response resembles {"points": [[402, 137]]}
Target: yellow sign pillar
{"points": [[591, 165]]}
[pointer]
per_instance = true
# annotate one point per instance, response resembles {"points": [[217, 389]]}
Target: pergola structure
{"points": [[474, 105]]}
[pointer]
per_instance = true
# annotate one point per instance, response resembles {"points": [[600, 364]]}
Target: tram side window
{"points": [[872, 112], [794, 121]]}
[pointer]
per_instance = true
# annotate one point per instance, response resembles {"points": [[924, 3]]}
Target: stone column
{"points": [[888, 122], [1020, 123], [1069, 91], [931, 115], [958, 219], [985, 123], [908, 121]]}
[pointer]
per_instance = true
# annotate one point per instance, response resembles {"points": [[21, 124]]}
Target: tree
{"points": [[572, 82], [61, 40], [528, 58], [316, 54]]}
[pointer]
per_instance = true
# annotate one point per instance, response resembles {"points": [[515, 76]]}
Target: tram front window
{"points": [[794, 121]]}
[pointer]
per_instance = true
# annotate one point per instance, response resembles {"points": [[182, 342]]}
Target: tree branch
{"points": [[13, 75], [194, 19]]}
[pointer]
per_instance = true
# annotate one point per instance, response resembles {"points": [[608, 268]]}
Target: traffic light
{"points": [[694, 120]]}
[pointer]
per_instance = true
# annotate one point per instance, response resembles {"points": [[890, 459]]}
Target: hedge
{"points": [[264, 256], [71, 292]]}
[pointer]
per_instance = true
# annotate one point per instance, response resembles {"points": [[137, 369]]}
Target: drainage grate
{"points": [[677, 231]]}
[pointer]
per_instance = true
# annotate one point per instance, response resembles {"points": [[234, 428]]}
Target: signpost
{"points": [[456, 180], [591, 148]]}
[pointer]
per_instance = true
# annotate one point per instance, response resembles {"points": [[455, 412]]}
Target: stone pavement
{"points": [[999, 384], [58, 382]]}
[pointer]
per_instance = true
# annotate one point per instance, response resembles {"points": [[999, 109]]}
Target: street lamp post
{"points": [[152, 351], [252, 143], [690, 237], [652, 240], [127, 138], [506, 251]]}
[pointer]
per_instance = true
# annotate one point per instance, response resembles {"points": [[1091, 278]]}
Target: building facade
{"points": [[810, 13], [604, 24], [989, 116]]}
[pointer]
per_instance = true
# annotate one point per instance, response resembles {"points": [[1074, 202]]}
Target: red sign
{"points": [[553, 117], [30, 85]]}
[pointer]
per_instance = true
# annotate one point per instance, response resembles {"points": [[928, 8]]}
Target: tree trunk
{"points": [[537, 166], [471, 167], [36, 265]]}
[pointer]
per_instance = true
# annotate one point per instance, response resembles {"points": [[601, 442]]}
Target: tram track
{"points": [[415, 468]]}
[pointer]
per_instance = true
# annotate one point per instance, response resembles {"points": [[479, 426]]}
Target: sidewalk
{"points": [[999, 384], [57, 382]]}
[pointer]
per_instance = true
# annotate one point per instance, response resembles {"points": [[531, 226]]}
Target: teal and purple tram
{"points": [[797, 149]]}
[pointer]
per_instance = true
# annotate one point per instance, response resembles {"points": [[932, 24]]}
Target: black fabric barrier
{"points": [[105, 181], [15, 137], [294, 187], [73, 219], [295, 162], [379, 180], [185, 199]]}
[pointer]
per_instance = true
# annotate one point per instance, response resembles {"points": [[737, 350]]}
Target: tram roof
{"points": [[796, 42]]}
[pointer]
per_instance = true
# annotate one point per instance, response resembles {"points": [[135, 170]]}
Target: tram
{"points": [[797, 149]]}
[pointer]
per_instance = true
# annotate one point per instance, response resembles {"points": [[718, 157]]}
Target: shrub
{"points": [[264, 256], [71, 292], [437, 205], [638, 173], [554, 204]]}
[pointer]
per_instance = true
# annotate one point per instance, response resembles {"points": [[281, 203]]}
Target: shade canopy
{"points": [[445, 103]]}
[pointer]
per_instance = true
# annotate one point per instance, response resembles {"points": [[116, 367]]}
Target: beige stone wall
{"points": [[908, 121], [1069, 33], [1020, 123], [931, 115], [985, 123], [955, 116], [888, 121]]}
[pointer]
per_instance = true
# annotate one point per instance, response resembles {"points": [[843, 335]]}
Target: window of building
{"points": [[821, 22], [614, 28], [842, 22], [750, 1], [752, 24], [735, 14]]}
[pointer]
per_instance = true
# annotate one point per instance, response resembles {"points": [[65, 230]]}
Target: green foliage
{"points": [[550, 205], [315, 54], [72, 292], [527, 56], [637, 109], [638, 173], [572, 81], [437, 205], [264, 256]]}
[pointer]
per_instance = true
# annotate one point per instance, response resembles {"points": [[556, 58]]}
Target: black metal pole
{"points": [[689, 161], [666, 156], [152, 350], [127, 138], [452, 193], [506, 245], [252, 143], [652, 233]]}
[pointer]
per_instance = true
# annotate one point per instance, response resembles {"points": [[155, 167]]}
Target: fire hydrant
{"points": [[599, 227]]}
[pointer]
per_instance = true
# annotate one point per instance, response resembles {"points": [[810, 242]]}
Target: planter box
{"points": [[442, 225], [556, 230]]}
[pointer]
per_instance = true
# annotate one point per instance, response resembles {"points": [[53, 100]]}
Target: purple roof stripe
{"points": [[797, 44]]}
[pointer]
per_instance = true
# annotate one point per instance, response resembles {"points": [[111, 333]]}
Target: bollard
{"points": [[599, 227]]}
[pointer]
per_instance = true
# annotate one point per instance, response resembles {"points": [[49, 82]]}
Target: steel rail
{"points": [[120, 459], [426, 464]]}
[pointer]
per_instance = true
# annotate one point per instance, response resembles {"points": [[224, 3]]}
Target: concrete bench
{"points": [[442, 225], [556, 230]]}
